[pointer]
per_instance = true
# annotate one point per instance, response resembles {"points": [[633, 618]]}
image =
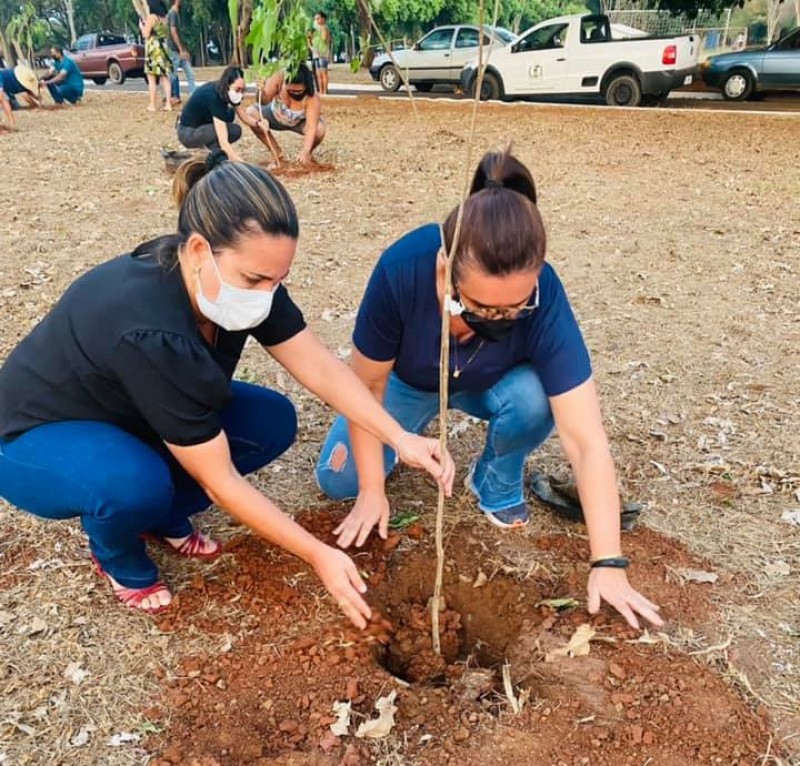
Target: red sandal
{"points": [[133, 597], [191, 547]]}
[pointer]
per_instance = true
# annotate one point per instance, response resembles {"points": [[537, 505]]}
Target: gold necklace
{"points": [[458, 370]]}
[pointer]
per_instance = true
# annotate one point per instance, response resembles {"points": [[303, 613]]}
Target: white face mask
{"points": [[234, 309], [235, 97]]}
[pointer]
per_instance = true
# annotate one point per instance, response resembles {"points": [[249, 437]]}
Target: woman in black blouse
{"points": [[119, 407]]}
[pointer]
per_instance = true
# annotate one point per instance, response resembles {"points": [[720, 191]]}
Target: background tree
{"points": [[28, 31]]}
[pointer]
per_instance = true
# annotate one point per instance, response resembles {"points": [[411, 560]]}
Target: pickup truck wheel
{"points": [[115, 73], [490, 87], [623, 90], [99, 80], [389, 78], [738, 85]]}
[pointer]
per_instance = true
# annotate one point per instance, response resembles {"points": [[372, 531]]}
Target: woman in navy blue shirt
{"points": [[518, 361]]}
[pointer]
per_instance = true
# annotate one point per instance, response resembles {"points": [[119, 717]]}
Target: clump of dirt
{"points": [[409, 654], [297, 169], [267, 697]]}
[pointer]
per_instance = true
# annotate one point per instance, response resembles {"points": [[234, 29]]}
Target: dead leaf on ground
{"points": [[380, 727], [341, 727], [697, 575], [578, 645]]}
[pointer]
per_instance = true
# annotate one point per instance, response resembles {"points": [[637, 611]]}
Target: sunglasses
{"points": [[491, 313]]}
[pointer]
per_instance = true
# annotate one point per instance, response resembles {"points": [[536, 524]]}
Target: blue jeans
{"points": [[122, 487], [175, 83], [520, 420], [62, 93]]}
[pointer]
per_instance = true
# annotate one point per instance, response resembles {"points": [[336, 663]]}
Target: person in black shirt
{"points": [[119, 407], [207, 119]]}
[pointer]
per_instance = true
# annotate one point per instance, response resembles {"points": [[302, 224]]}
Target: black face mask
{"points": [[490, 330]]}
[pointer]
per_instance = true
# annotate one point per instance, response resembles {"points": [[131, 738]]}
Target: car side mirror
{"points": [[417, 47]]}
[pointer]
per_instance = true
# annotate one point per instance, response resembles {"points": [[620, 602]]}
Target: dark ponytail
{"points": [[224, 201], [503, 170], [501, 229]]}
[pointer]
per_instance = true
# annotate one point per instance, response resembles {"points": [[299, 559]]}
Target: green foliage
{"points": [[233, 13], [263, 36], [279, 38], [28, 30]]}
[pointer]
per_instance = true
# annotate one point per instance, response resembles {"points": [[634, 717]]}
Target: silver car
{"points": [[437, 58]]}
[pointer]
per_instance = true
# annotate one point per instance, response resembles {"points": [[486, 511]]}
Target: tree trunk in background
{"points": [[69, 10], [797, 12], [365, 32], [5, 50], [773, 19], [245, 16]]}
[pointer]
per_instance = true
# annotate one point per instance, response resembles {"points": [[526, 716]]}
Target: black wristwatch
{"points": [[615, 562]]}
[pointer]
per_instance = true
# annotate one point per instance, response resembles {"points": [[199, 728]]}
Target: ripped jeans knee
{"points": [[336, 471], [339, 456]]}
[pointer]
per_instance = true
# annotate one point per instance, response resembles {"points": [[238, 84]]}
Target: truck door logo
{"points": [[535, 72]]}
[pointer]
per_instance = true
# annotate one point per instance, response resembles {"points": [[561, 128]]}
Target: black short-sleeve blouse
{"points": [[122, 346]]}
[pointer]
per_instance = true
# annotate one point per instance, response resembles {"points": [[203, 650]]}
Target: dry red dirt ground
{"points": [[269, 700]]}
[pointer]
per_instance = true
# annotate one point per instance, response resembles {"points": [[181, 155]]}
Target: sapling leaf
{"points": [[403, 520]]}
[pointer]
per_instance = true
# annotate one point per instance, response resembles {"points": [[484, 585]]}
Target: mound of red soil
{"points": [[268, 698]]}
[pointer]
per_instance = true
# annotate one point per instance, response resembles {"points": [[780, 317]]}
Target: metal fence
{"points": [[714, 31]]}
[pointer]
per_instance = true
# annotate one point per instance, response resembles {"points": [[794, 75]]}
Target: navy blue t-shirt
{"points": [[399, 319], [9, 82]]}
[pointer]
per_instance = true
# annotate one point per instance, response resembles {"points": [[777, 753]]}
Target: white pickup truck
{"points": [[586, 55]]}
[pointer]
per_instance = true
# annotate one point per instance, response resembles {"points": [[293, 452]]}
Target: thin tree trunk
{"points": [[5, 50], [365, 32], [69, 10], [245, 16]]}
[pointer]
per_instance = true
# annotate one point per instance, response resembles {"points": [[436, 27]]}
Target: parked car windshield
{"points": [[789, 43], [468, 38], [438, 40], [84, 43], [551, 36], [505, 35], [106, 38]]}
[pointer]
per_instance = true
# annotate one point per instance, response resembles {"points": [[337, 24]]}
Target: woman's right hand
{"points": [[341, 579], [421, 452], [371, 508]]}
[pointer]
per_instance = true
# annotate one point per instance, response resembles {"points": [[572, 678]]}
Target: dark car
{"points": [[739, 75], [105, 56]]}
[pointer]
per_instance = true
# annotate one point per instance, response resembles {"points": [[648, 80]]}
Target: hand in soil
{"points": [[305, 159], [341, 579], [612, 586], [420, 452], [371, 508]]}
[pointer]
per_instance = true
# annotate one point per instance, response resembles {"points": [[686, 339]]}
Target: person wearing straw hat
{"points": [[517, 361], [20, 81]]}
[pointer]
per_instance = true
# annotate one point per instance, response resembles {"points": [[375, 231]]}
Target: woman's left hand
{"points": [[611, 585], [420, 452]]}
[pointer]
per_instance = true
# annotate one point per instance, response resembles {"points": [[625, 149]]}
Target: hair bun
{"points": [[493, 183], [215, 159]]}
